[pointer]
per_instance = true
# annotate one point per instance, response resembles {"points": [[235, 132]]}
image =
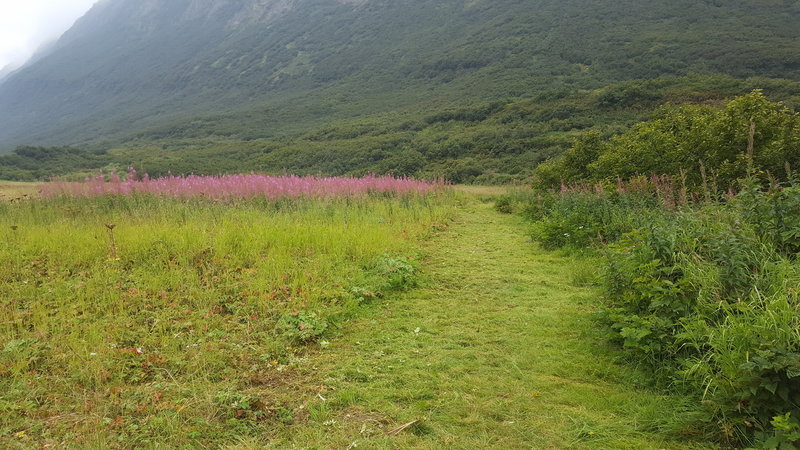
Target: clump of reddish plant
{"points": [[241, 186]]}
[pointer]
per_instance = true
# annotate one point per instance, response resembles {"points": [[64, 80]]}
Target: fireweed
{"points": [[240, 186]]}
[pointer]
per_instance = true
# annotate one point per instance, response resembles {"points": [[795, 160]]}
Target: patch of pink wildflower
{"points": [[240, 186]]}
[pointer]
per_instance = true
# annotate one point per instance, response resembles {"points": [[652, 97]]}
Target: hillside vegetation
{"points": [[496, 142], [468, 90], [700, 145]]}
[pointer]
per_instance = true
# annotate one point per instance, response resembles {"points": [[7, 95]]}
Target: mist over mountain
{"points": [[140, 71], [7, 69]]}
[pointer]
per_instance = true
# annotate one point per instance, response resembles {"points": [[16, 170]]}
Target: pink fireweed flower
{"points": [[241, 186]]}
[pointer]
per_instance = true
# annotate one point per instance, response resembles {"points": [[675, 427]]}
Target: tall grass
{"points": [[140, 319]]}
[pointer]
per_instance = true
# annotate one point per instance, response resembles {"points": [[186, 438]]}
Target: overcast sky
{"points": [[27, 24]]}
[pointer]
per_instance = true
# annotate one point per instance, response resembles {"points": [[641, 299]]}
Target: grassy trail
{"points": [[496, 349]]}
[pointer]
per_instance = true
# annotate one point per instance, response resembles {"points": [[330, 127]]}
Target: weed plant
{"points": [[140, 320]]}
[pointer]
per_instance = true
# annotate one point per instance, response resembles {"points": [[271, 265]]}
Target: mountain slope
{"points": [[146, 69]]}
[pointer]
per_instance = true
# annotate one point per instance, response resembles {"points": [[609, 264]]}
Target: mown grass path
{"points": [[496, 349]]}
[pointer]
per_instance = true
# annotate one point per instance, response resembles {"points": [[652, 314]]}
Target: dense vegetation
{"points": [[496, 142], [705, 296], [701, 145], [140, 320], [468, 90], [700, 267]]}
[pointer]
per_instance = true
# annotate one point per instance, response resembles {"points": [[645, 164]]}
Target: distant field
{"points": [[10, 190]]}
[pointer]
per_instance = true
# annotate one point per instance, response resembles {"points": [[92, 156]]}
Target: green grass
{"points": [[130, 322], [496, 350], [298, 325]]}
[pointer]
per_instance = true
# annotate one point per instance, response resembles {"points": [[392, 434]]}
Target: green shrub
{"points": [[582, 219], [773, 213], [706, 146], [504, 204], [707, 296], [784, 435]]}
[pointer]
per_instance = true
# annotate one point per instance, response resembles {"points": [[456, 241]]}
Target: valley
{"points": [[246, 224]]}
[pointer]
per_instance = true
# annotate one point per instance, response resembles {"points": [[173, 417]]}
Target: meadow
{"points": [[248, 310], [140, 318]]}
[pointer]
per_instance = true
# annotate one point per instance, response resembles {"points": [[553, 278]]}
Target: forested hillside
{"points": [[465, 89]]}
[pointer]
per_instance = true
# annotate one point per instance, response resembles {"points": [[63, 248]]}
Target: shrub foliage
{"points": [[704, 295], [703, 144], [701, 271]]}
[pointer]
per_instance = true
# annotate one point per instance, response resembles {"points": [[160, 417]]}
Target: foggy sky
{"points": [[25, 25]]}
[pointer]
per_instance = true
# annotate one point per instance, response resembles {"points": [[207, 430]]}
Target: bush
{"points": [[582, 219], [397, 272], [706, 146], [504, 205], [705, 296]]}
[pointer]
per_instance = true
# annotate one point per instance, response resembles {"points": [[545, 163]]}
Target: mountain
{"points": [[7, 69], [136, 74]]}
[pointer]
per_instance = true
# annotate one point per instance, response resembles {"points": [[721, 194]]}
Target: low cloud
{"points": [[27, 25]]}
